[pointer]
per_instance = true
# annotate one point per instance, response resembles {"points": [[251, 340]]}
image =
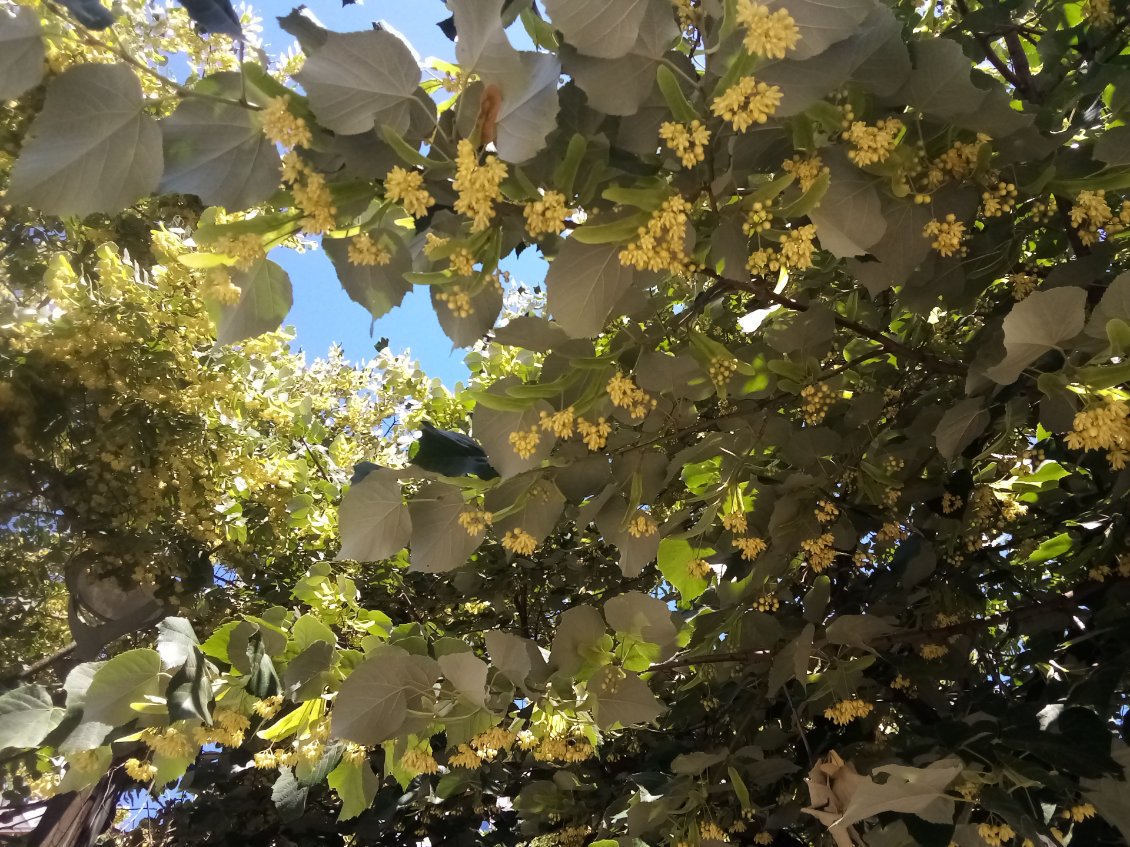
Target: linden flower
{"points": [[747, 102], [281, 127], [1079, 812], [140, 771], [797, 248], [642, 524], [477, 185], [407, 188], [933, 651], [519, 541], [734, 522], [846, 711], [1099, 13], [314, 199], [464, 757], [559, 423], [364, 250], [872, 144], [820, 552], [546, 214], [624, 393], [595, 435], [751, 547], [525, 441], [1103, 426], [805, 170], [768, 34], [475, 521], [699, 568], [996, 835], [947, 234], [660, 244], [419, 761], [687, 141], [268, 707], [458, 302], [720, 369], [1089, 214]]}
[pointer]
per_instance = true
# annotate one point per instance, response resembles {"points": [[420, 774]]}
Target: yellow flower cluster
{"points": [[546, 214], [407, 188], [1079, 812], [797, 248], [1022, 284], [768, 34], [900, 682], [1091, 214], [475, 521], [710, 831], [282, 127], [477, 185], [418, 760], [951, 503], [660, 245], [218, 286], [642, 525], [751, 547], [698, 568], [1103, 426], [525, 441], [314, 199], [735, 522], [228, 728], [559, 423], [821, 553], [246, 249], [140, 771], [1099, 13], [519, 541], [268, 707], [556, 749], [759, 219], [595, 435], [872, 145], [747, 102], [763, 838], [687, 141], [169, 742], [767, 603], [490, 743], [624, 393], [720, 369], [818, 399], [933, 651], [999, 200], [947, 234], [364, 250], [458, 302], [806, 169], [462, 261], [996, 835], [846, 711], [826, 511], [464, 757]]}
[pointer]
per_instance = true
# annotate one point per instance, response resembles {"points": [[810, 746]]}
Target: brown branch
{"points": [[13, 674], [761, 290]]}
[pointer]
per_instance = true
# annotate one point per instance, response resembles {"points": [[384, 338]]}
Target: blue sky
{"points": [[322, 312]]}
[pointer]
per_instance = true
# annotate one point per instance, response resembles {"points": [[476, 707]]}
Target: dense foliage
{"points": [[793, 513]]}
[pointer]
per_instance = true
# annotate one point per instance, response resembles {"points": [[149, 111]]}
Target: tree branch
{"points": [[13, 675]]}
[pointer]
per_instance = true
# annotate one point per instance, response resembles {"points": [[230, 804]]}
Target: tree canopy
{"points": [[789, 508]]}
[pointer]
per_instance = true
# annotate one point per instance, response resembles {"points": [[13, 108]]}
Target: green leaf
{"points": [[265, 298], [356, 786], [907, 790], [302, 24], [127, 678], [1111, 795], [816, 599], [1113, 146], [468, 675], [857, 630], [792, 660], [693, 764], [531, 332], [175, 641], [217, 151], [1040, 322], [620, 86], [579, 629], [22, 59], [357, 80], [849, 219], [27, 715], [379, 288], [92, 148], [439, 543], [372, 705], [647, 618], [307, 665], [740, 789], [170, 768], [635, 551], [899, 252], [960, 426], [513, 656], [464, 331], [190, 688], [294, 721], [493, 428], [373, 521], [1115, 304], [584, 283], [1053, 548], [606, 29], [621, 698], [940, 83], [565, 174], [307, 630], [289, 795], [677, 102], [621, 230], [674, 558], [529, 105]]}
